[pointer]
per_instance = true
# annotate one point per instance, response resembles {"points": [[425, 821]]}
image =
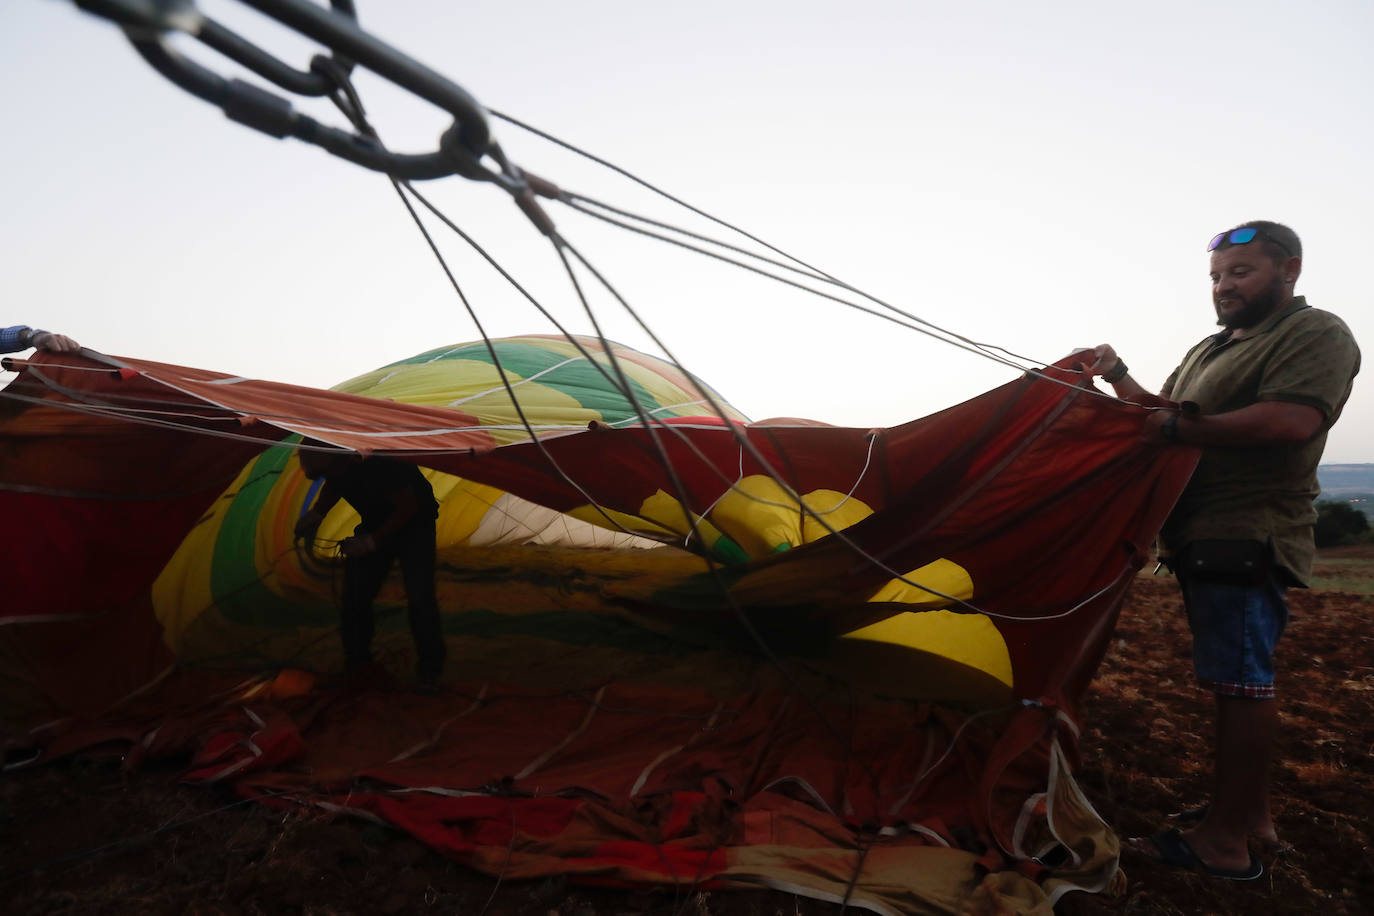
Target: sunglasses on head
{"points": [[1242, 237]]}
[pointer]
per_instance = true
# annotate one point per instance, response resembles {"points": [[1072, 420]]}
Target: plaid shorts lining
{"points": [[1233, 689]]}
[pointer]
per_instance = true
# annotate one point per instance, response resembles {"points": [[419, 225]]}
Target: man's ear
{"points": [[1291, 270]]}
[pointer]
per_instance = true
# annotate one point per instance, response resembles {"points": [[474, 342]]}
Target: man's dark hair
{"points": [[1280, 242]]}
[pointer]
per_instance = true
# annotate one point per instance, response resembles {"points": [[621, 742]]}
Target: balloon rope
{"points": [[983, 349]]}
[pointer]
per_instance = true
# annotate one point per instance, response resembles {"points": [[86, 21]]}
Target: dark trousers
{"points": [[363, 578]]}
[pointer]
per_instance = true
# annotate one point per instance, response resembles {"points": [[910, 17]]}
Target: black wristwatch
{"points": [[1168, 430], [1116, 373]]}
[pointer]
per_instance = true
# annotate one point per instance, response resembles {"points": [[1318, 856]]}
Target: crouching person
{"points": [[398, 511]]}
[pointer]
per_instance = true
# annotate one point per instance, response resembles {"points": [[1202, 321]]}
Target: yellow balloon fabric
{"points": [[239, 577]]}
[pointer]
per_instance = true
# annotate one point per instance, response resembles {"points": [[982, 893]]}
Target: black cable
{"points": [[501, 373], [559, 244], [755, 636], [573, 199], [640, 181], [685, 502], [622, 388], [352, 107], [480, 250], [718, 221], [746, 444], [931, 331]]}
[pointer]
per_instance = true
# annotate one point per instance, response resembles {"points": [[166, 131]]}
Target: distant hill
{"points": [[1353, 483]]}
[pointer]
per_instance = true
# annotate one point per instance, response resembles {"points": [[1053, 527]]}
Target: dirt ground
{"points": [[81, 837]]}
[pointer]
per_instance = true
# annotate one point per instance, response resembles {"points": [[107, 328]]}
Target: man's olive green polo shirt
{"points": [[1300, 355]]}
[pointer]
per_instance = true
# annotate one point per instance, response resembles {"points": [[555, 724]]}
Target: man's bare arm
{"points": [[1103, 361], [1267, 423]]}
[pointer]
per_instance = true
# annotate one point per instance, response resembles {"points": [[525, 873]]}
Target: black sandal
{"points": [[1173, 850]]}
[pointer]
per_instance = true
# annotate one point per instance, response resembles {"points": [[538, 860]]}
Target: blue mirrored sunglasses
{"points": [[1241, 237]]}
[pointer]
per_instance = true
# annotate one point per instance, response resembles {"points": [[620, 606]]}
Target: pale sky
{"points": [[1039, 176]]}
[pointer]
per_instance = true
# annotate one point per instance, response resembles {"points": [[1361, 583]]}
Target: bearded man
{"points": [[1258, 398]]}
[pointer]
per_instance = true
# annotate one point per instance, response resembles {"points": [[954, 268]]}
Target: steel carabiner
{"points": [[147, 24]]}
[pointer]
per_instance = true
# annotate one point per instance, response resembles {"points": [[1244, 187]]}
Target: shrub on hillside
{"points": [[1340, 523]]}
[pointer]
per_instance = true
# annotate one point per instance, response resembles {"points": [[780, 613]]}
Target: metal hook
{"points": [[147, 23]]}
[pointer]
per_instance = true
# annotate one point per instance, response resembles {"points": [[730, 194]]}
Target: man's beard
{"points": [[1253, 311]]}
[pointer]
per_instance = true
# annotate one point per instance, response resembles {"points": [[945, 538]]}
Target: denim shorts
{"points": [[1235, 629]]}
